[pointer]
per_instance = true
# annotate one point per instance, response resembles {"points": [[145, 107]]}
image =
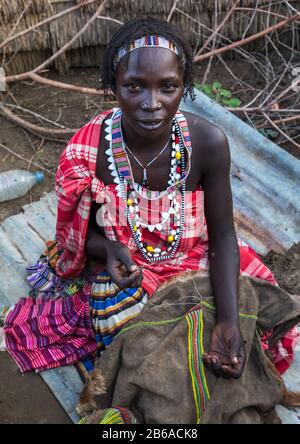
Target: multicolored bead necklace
{"points": [[130, 191]]}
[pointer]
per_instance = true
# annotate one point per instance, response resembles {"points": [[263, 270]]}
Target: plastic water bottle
{"points": [[16, 183]]}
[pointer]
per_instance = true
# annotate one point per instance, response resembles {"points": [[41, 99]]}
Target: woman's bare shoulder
{"points": [[208, 140], [203, 129]]}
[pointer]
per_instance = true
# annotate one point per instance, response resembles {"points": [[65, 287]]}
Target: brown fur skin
{"points": [[94, 386], [289, 398]]}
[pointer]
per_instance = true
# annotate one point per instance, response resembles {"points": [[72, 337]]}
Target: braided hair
{"points": [[138, 28]]}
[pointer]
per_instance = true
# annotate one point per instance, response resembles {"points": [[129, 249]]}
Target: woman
{"points": [[169, 174]]}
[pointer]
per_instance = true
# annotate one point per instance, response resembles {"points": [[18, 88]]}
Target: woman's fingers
{"points": [[122, 269], [214, 364], [127, 281], [133, 279], [120, 277], [232, 371], [138, 279], [206, 361], [125, 258]]}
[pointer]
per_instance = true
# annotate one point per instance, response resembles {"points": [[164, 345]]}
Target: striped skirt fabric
{"points": [[111, 308], [43, 335], [67, 321]]}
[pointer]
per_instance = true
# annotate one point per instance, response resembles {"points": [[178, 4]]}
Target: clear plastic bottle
{"points": [[16, 183]]}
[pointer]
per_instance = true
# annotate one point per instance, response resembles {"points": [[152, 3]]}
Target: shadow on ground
{"points": [[26, 399]]}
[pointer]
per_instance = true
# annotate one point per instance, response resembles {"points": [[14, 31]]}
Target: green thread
{"points": [[169, 321], [191, 360], [152, 323], [241, 315], [195, 351], [112, 416]]}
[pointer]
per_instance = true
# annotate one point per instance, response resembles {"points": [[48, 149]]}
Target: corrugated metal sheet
{"points": [[265, 181], [266, 214], [21, 243]]}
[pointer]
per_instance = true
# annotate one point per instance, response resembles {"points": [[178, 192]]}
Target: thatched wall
{"points": [[29, 51]]}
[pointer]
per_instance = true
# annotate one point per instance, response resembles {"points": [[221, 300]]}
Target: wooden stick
{"points": [[43, 22], [35, 128], [279, 121], [239, 50], [19, 19], [26, 160], [73, 39], [257, 109], [38, 116], [172, 10], [247, 39], [263, 11], [280, 130], [218, 28], [47, 62], [103, 17], [55, 83], [284, 93], [214, 43]]}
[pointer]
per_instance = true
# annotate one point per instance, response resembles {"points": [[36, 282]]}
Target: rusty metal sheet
{"points": [[265, 181]]}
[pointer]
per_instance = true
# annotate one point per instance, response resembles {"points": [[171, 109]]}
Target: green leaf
{"points": [[207, 90], [198, 86], [234, 102], [216, 86], [272, 134], [263, 132], [218, 98], [226, 102], [225, 93], [269, 133]]}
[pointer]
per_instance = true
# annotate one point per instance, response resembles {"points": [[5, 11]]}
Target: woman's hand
{"points": [[120, 266], [227, 354]]}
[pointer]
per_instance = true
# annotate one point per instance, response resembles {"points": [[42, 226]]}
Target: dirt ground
{"points": [[27, 399]]}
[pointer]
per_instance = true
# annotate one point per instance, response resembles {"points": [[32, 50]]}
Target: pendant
{"points": [[145, 180]]}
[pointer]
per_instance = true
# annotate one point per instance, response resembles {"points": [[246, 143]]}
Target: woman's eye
{"points": [[133, 87], [169, 87]]}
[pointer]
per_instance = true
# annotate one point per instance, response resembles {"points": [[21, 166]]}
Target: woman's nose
{"points": [[151, 102]]}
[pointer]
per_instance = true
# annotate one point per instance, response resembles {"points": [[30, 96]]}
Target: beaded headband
{"points": [[150, 41]]}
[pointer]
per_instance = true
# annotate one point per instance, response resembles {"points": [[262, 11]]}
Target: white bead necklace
{"points": [[154, 253]]}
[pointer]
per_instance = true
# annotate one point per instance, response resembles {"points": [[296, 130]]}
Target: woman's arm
{"points": [[119, 264], [223, 247], [224, 257], [96, 242]]}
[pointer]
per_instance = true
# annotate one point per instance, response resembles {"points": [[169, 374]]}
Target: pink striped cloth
{"points": [[43, 335]]}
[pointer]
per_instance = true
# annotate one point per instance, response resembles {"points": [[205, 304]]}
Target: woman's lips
{"points": [[151, 124]]}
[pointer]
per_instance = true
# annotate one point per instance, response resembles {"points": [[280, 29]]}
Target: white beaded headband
{"points": [[150, 41]]}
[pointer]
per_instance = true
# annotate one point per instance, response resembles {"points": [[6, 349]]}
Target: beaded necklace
{"points": [[129, 190]]}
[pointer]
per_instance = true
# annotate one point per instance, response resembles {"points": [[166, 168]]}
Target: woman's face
{"points": [[149, 90]]}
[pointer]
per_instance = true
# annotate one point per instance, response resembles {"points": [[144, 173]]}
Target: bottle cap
{"points": [[39, 176]]}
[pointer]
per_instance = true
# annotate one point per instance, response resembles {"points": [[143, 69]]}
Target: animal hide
{"points": [[149, 368]]}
